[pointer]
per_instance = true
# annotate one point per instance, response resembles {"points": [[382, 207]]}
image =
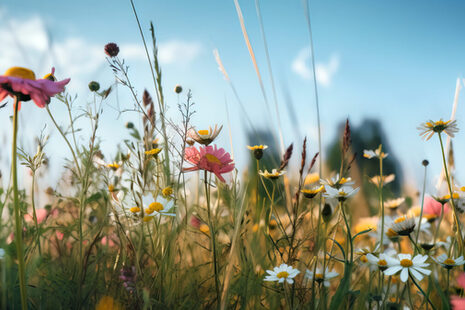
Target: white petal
{"points": [[392, 261], [290, 280], [372, 259], [419, 259], [422, 270], [404, 256], [416, 274], [404, 275], [331, 275], [392, 270]]}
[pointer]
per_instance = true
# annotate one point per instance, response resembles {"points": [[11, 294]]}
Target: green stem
{"points": [[457, 223], [18, 216], [421, 210], [349, 235], [213, 241], [438, 224], [381, 200], [423, 292], [34, 211]]}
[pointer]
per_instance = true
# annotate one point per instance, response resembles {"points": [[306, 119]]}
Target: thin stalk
{"points": [[18, 216], [438, 225], [421, 210], [34, 210], [457, 223], [213, 241], [424, 294], [381, 199], [349, 235]]}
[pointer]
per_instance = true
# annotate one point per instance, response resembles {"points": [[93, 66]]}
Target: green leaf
{"points": [[341, 293]]}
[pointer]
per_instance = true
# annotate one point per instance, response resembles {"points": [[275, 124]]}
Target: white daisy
{"points": [[273, 175], [328, 275], [341, 193], [282, 273], [404, 225], [448, 262], [406, 265], [337, 181], [204, 136], [381, 260], [376, 153]]}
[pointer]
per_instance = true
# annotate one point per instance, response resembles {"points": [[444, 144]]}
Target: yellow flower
{"points": [[147, 218], [429, 128], [311, 193], [153, 151], [204, 228], [134, 209], [275, 174], [107, 303], [155, 206], [312, 178], [167, 191], [257, 150], [111, 188], [149, 211], [114, 165]]}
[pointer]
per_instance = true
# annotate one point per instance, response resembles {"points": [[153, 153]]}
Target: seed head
{"points": [[94, 86], [111, 49]]}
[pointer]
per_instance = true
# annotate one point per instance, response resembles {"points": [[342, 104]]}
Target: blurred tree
{"points": [[368, 136]]}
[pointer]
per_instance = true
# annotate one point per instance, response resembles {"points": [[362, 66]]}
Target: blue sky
{"points": [[394, 60]]}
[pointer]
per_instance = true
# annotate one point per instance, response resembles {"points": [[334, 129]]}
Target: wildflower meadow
{"points": [[170, 220]]}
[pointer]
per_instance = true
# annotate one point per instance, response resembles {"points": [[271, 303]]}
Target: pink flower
{"points": [[40, 213], [21, 83], [431, 206], [209, 158], [59, 235], [457, 302], [108, 241]]}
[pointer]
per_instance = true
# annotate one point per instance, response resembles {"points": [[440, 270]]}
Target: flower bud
{"points": [[94, 86], [178, 89], [111, 49]]}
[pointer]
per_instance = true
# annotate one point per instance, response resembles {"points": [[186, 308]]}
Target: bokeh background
{"points": [[387, 66]]}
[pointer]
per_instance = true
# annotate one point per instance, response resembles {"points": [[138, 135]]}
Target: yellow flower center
{"points": [[449, 261], [156, 206], [20, 72], [212, 159], [382, 262], [204, 228], [113, 166], [167, 191], [406, 263], [134, 209], [147, 218], [111, 188], [203, 132], [363, 259], [391, 233], [149, 211], [319, 276], [282, 274], [400, 219], [153, 151]]}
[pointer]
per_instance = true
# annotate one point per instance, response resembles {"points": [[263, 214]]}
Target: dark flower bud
{"points": [[327, 212], [94, 86], [258, 154], [111, 49], [129, 125], [425, 162], [178, 89]]}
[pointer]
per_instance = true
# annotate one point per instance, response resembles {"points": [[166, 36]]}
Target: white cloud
{"points": [[324, 71], [178, 52], [76, 57]]}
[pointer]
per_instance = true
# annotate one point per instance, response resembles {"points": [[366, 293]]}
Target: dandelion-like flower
{"points": [[341, 193], [337, 181], [406, 265], [209, 158], [376, 153], [429, 128], [204, 137], [153, 152], [318, 275], [403, 225], [273, 175], [312, 192], [393, 204], [448, 262], [282, 273], [257, 150], [21, 83]]}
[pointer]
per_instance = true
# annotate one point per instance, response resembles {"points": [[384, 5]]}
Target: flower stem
{"points": [[213, 241], [423, 292], [18, 216], [381, 200], [34, 211], [349, 235], [421, 210], [457, 223]]}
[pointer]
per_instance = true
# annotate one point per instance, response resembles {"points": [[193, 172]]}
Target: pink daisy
{"points": [[21, 83], [209, 158], [432, 206]]}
